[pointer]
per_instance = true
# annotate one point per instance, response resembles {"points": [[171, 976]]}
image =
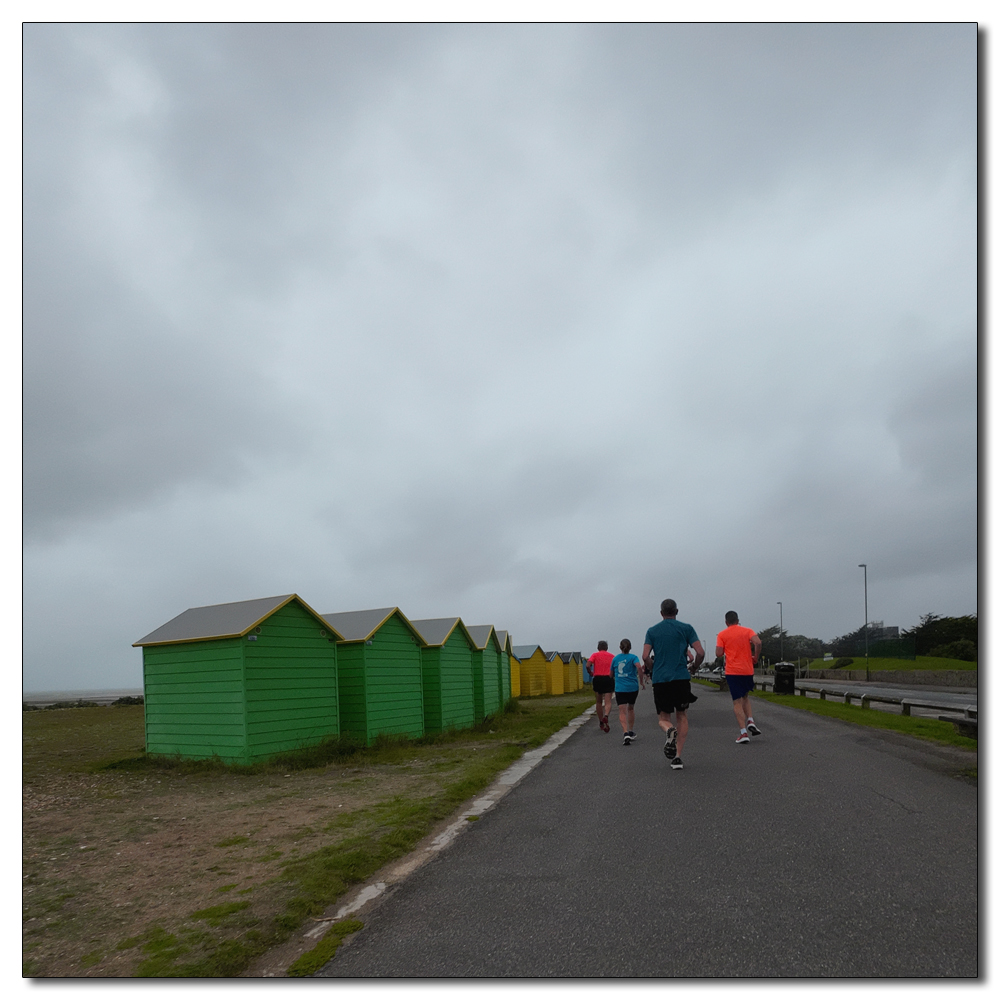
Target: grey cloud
{"points": [[531, 324]]}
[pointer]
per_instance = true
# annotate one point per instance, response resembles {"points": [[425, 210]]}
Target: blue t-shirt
{"points": [[670, 640], [625, 670]]}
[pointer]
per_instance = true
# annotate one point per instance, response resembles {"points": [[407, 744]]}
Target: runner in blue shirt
{"points": [[669, 641], [626, 671]]}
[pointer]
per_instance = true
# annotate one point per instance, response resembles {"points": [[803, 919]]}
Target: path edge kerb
{"points": [[401, 869]]}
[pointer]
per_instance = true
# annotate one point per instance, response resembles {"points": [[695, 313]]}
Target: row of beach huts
{"points": [[247, 680]]}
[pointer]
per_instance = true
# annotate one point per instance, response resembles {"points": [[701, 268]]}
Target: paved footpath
{"points": [[818, 850]]}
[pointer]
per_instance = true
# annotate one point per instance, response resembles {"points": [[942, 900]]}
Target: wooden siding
{"points": [[515, 676], [486, 678], [554, 676], [534, 675], [352, 689], [568, 676], [394, 682], [291, 684], [194, 705], [572, 681], [503, 663], [449, 689]]}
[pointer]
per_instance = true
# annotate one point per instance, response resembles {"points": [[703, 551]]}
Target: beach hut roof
{"points": [[501, 637], [223, 621], [436, 631], [480, 635], [357, 626], [523, 652]]}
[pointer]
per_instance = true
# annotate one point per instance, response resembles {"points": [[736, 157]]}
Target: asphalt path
{"points": [[819, 850]]}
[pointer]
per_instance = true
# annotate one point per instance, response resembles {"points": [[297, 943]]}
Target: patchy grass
{"points": [[77, 740], [926, 729], [314, 959], [124, 856], [920, 663]]}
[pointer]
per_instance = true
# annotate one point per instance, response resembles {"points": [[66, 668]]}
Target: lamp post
{"points": [[781, 632], [868, 675]]}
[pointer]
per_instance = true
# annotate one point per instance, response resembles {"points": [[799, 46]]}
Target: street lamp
{"points": [[868, 675], [781, 633]]}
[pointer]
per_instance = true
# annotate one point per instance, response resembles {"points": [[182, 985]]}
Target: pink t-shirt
{"points": [[601, 662]]}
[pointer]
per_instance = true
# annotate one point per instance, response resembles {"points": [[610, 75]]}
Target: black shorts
{"points": [[673, 696], [626, 697], [604, 684]]}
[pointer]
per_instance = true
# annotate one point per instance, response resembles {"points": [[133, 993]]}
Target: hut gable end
{"points": [[268, 686], [291, 683]]}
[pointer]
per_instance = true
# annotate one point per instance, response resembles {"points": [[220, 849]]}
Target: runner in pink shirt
{"points": [[599, 668]]}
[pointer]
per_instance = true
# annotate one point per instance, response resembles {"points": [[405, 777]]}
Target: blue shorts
{"points": [[739, 685]]}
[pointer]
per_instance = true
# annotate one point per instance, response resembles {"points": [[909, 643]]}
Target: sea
{"points": [[103, 696]]}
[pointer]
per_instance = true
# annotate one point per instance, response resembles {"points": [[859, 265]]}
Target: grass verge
{"points": [[926, 729], [314, 959], [920, 663]]}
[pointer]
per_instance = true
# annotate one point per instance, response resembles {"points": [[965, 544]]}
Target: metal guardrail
{"points": [[967, 723]]}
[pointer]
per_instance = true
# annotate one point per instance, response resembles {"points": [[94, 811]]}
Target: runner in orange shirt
{"points": [[741, 648]]}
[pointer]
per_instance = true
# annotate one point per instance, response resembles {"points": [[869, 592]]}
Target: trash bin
{"points": [[784, 678]]}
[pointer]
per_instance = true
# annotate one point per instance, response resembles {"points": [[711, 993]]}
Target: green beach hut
{"points": [[503, 637], [240, 681], [449, 685], [379, 671], [486, 669]]}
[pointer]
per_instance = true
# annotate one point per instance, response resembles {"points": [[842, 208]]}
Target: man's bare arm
{"points": [[646, 661], [757, 646], [699, 655]]}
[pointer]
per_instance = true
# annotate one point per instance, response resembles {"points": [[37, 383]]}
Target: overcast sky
{"points": [[535, 325]]}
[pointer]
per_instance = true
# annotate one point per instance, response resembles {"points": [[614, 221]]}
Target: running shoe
{"points": [[743, 738], [626, 740], [670, 747], [604, 725], [752, 729], [632, 735], [677, 764]]}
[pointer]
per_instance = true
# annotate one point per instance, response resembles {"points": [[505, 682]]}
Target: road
{"points": [[819, 850]]}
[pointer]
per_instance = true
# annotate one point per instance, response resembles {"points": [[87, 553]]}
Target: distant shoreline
{"points": [[101, 696]]}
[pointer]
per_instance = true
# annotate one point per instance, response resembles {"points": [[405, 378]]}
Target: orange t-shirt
{"points": [[601, 662], [735, 643]]}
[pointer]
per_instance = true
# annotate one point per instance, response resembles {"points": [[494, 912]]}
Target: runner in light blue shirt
{"points": [[625, 669]]}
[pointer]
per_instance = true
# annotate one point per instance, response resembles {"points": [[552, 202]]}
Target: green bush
{"points": [[844, 661], [961, 649]]}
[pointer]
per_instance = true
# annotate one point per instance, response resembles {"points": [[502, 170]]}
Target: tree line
{"points": [[936, 635]]}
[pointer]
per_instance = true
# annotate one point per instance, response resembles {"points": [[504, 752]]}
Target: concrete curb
{"points": [[496, 791]]}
